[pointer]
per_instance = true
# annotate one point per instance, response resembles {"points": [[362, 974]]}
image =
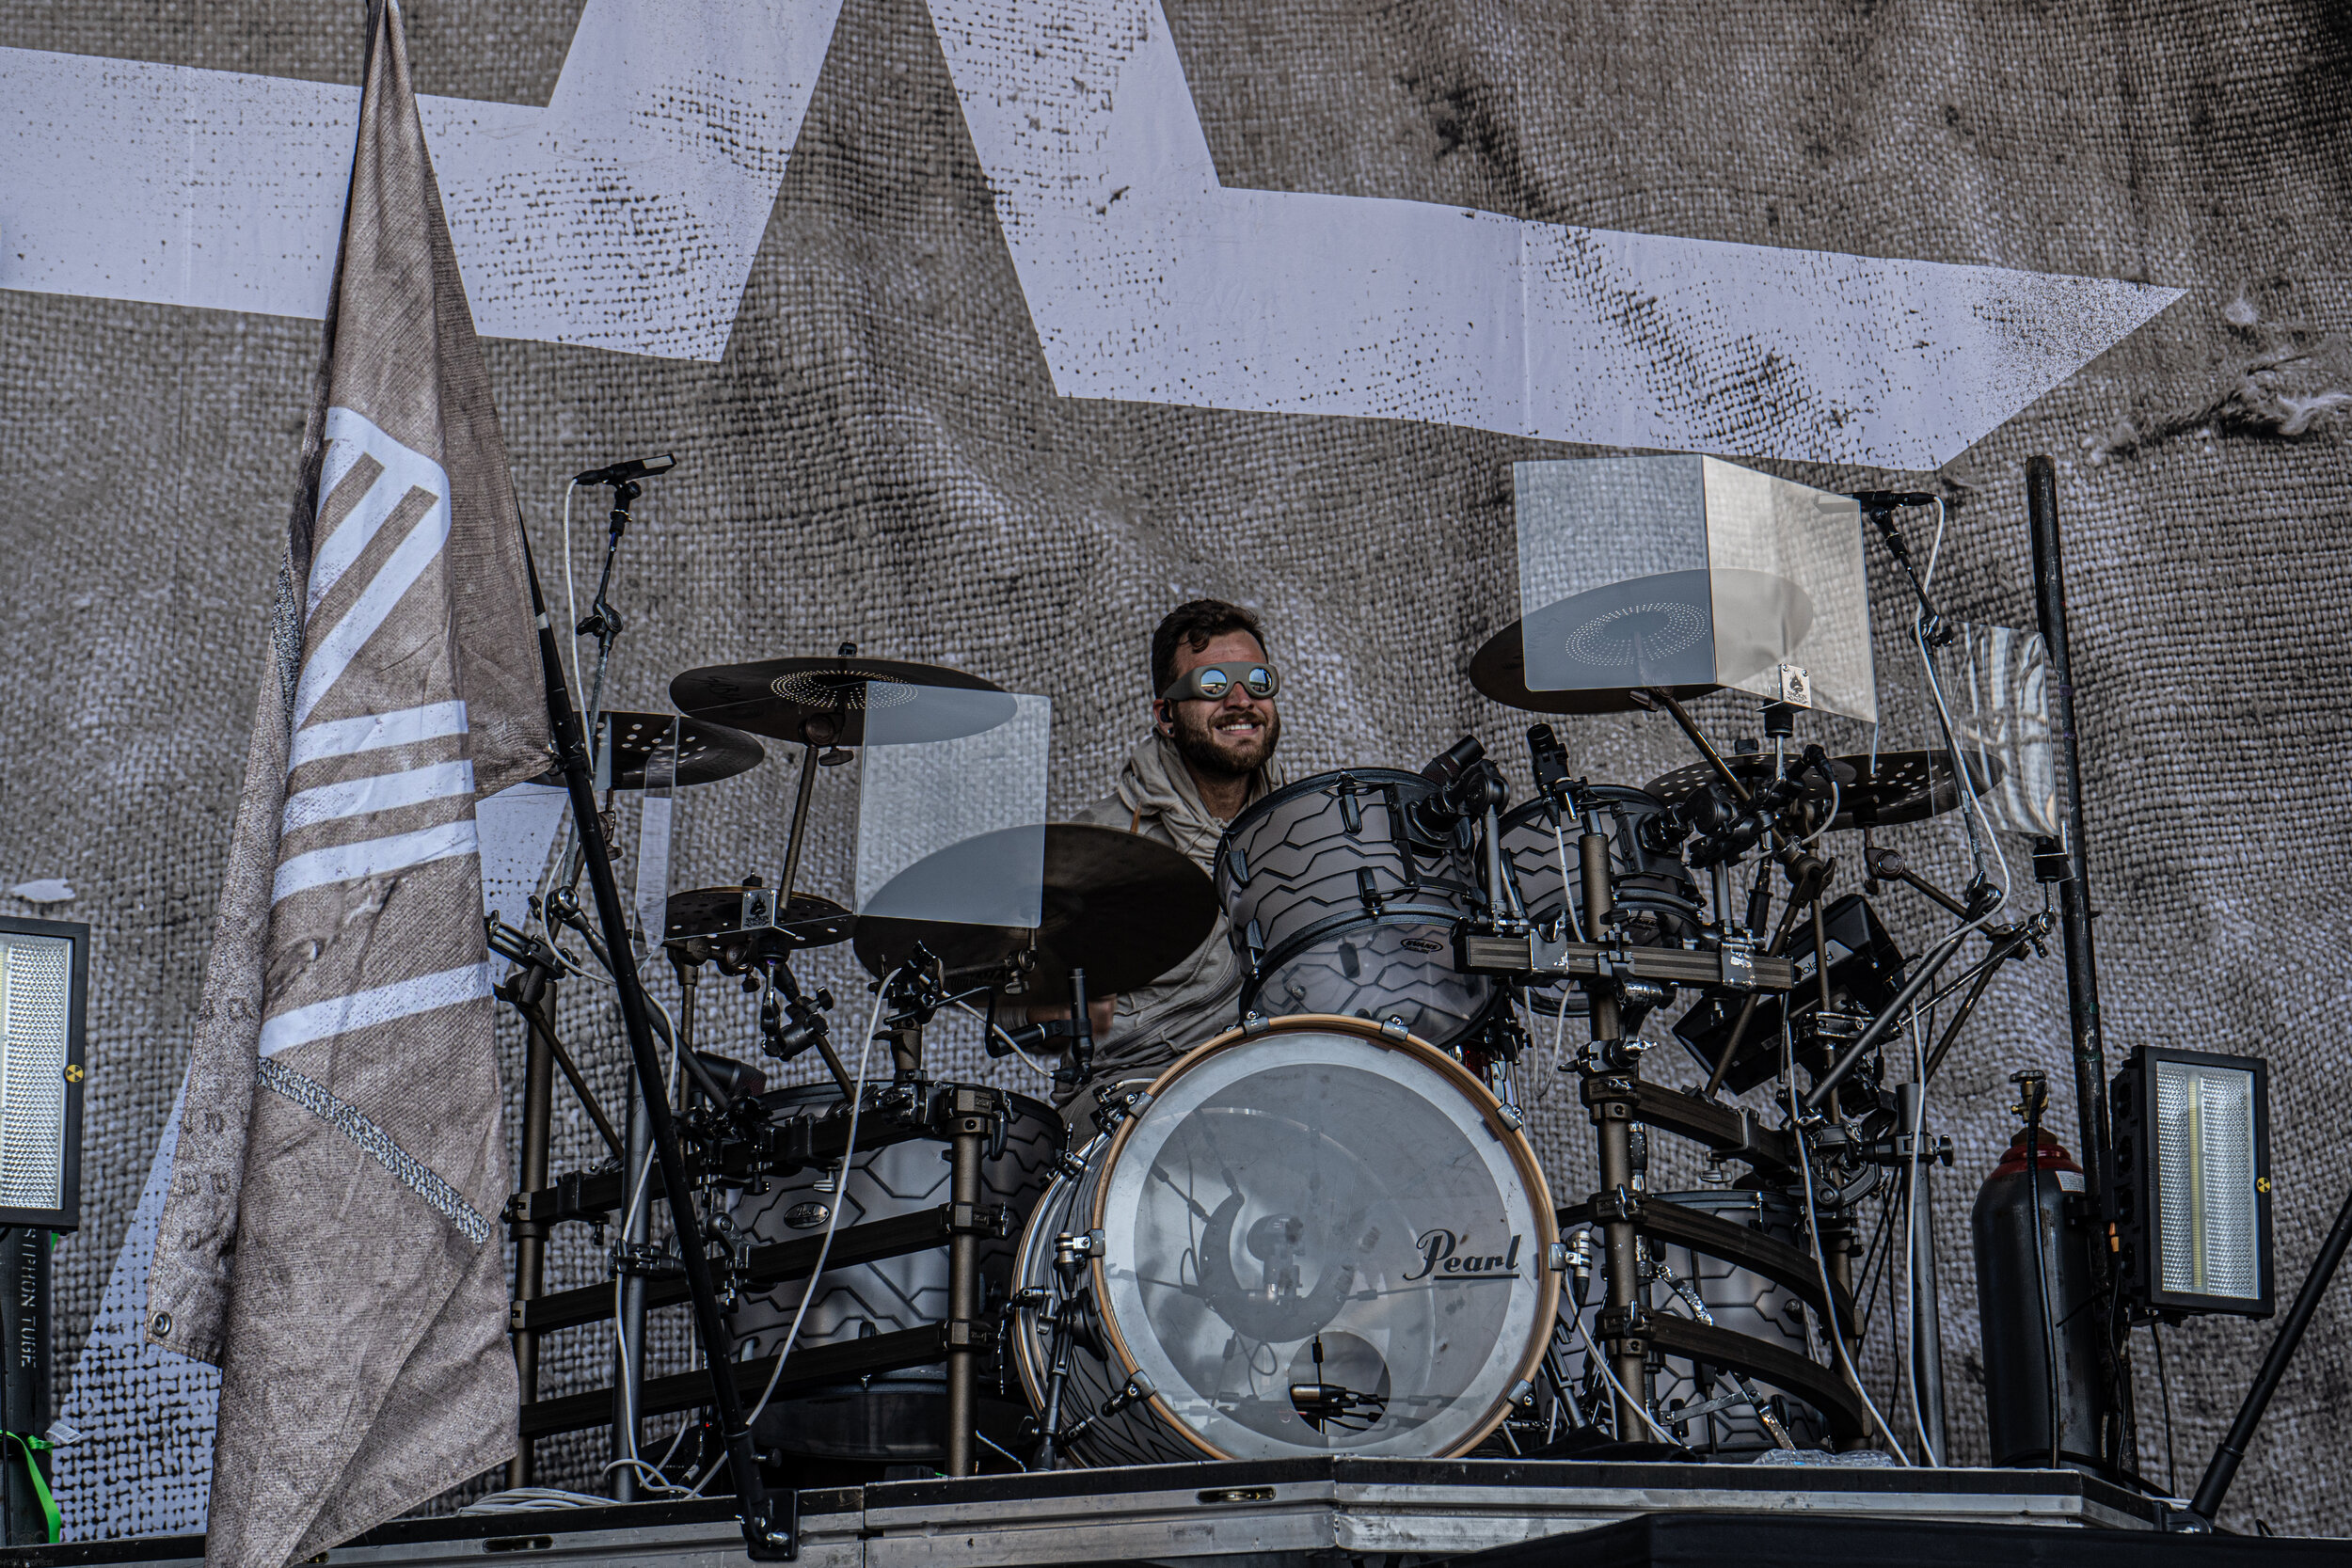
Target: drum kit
{"points": [[1325, 1231]]}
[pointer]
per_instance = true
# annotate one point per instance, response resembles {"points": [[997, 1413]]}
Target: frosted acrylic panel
{"points": [[2205, 1180], [34, 973], [1998, 682], [951, 806], [1788, 587], [1613, 573], [1690, 570]]}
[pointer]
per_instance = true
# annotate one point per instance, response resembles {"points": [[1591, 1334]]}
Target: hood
{"points": [[1155, 783]]}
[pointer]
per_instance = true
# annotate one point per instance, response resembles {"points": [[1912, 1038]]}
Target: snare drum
{"points": [[1334, 910], [1315, 1238], [1657, 892]]}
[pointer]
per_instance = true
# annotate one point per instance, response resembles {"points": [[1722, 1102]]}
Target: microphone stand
{"points": [[771, 1520]]}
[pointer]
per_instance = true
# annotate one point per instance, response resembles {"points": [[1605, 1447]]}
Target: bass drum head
{"points": [[1318, 1183]]}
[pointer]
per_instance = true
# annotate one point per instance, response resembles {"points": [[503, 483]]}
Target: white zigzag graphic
{"points": [[627, 213]]}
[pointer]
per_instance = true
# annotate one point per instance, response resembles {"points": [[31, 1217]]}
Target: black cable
{"points": [[2041, 1263], [2164, 1386]]}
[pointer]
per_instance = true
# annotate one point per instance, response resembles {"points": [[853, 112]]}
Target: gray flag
{"points": [[330, 1238]]}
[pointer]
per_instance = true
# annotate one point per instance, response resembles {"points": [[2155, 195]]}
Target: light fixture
{"points": [[44, 981], [2191, 1190]]}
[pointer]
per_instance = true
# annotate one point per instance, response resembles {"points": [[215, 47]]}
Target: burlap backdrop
{"points": [[881, 457]]}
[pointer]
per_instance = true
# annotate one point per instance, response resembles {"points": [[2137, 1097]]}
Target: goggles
{"points": [[1209, 683]]}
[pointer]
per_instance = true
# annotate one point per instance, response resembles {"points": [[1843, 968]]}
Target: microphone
{"points": [[619, 473]]}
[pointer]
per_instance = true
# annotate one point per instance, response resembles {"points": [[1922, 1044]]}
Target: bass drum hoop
{"points": [[1123, 1361]]}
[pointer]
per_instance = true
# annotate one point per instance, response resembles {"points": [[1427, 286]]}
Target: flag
{"points": [[328, 1239]]}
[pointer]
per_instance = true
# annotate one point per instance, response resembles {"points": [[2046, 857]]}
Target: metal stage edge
{"points": [[1328, 1511]]}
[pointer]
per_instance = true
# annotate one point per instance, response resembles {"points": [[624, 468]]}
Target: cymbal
{"points": [[719, 912], [1124, 908], [824, 702], [1499, 670], [1904, 786], [707, 753]]}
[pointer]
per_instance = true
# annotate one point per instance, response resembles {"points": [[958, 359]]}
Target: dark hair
{"points": [[1196, 626]]}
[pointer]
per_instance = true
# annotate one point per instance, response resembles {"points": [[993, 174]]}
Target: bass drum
{"points": [[1333, 910], [1317, 1205], [891, 1418], [1654, 888]]}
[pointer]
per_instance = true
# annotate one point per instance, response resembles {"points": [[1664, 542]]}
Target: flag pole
{"points": [[771, 1521]]}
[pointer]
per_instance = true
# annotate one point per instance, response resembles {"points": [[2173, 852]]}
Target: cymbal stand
{"points": [[531, 992], [771, 1521]]}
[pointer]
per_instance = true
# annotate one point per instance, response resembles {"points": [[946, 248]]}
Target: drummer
{"points": [[1208, 755]]}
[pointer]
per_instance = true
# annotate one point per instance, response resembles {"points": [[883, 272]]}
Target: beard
{"points": [[1218, 756]]}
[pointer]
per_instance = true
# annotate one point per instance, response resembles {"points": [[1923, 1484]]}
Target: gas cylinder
{"points": [[2028, 1299]]}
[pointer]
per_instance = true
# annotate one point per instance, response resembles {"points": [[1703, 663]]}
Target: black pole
{"points": [[2232, 1453], [770, 1532], [2075, 916], [2082, 967]]}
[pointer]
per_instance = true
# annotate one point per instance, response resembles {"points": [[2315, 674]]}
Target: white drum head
{"points": [[1318, 1183]]}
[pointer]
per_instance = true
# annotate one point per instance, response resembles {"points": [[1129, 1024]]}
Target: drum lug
{"points": [[1393, 1027], [1368, 893], [1556, 1258], [1511, 1117], [1523, 1395], [1254, 1023]]}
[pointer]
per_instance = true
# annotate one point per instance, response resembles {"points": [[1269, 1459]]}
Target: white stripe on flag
{"points": [[343, 737], [324, 662], [349, 434], [378, 792], [372, 857], [340, 1015]]}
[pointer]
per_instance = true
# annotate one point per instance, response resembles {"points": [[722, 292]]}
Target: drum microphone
{"points": [[1468, 785], [621, 473]]}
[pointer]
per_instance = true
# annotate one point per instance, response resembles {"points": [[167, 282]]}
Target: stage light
{"points": [[44, 980], [2191, 1189]]}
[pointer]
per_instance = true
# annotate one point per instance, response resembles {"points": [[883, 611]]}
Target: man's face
{"points": [[1233, 736]]}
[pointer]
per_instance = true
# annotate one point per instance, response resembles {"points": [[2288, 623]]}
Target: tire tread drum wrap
{"points": [[1315, 1183]]}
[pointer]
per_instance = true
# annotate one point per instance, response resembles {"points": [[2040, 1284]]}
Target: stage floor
{"points": [[1387, 1513]]}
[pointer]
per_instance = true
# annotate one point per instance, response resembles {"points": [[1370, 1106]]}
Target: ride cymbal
{"points": [[1123, 908], [1498, 670]]}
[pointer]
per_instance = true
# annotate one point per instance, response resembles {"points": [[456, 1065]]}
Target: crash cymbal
{"points": [[1123, 908], [824, 701], [1900, 787], [722, 912], [1499, 670]]}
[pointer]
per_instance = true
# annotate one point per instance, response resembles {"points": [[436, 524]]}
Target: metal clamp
{"points": [[992, 1221]]}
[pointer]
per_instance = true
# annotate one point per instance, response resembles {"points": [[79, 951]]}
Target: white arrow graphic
{"points": [[626, 216], [1151, 281]]}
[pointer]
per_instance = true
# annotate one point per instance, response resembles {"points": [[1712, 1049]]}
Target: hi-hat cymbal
{"points": [[1499, 670], [1123, 908], [1897, 788], [808, 921], [824, 701]]}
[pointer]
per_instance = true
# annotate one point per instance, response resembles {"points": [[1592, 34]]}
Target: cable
{"points": [[1602, 1362], [1000, 1449], [848, 1149], [1821, 1254], [1836, 798], [534, 1499], [2040, 1262], [998, 1030], [2164, 1386], [571, 599], [1910, 1243]]}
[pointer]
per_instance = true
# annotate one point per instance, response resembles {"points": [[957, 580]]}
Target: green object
{"points": [[29, 1447]]}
